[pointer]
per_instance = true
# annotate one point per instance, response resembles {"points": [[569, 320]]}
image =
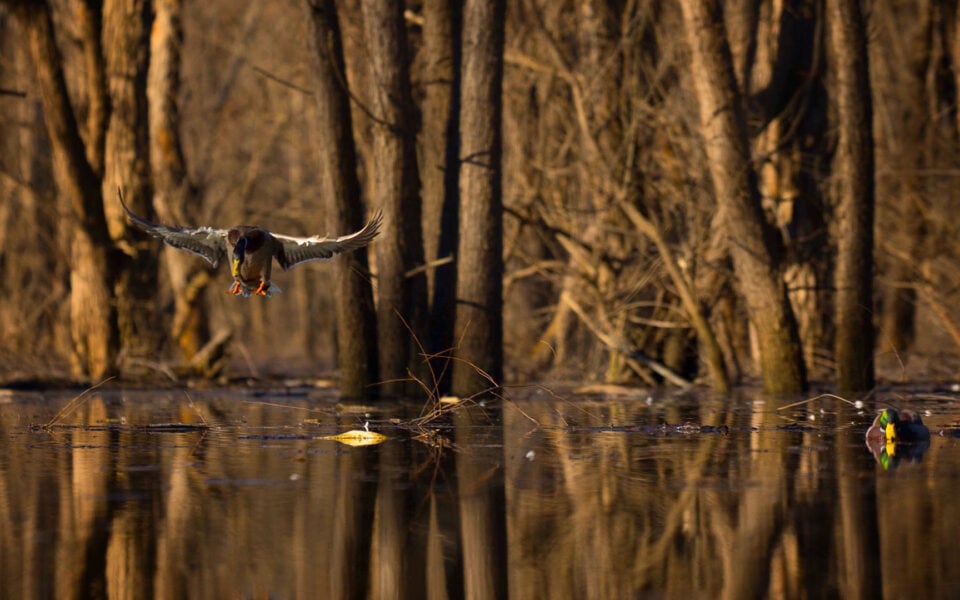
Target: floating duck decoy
{"points": [[253, 248], [897, 436], [898, 426]]}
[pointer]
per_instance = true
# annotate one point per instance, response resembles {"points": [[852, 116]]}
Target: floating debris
{"points": [[357, 437]]}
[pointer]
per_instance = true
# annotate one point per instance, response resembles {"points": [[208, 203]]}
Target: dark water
{"points": [[232, 494]]}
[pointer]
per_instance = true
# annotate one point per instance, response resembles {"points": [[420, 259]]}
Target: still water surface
{"points": [[234, 494]]}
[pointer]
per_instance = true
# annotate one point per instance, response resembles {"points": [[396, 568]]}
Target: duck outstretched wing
{"points": [[207, 242], [296, 250]]}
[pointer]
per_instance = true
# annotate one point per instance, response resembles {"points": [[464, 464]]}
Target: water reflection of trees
{"points": [[554, 504], [790, 514]]}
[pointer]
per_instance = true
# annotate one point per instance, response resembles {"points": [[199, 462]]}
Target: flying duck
{"points": [[253, 248]]}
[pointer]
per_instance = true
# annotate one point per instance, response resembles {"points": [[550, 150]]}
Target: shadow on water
{"points": [[235, 494]]}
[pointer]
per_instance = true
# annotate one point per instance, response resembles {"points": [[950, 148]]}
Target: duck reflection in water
{"points": [[897, 436]]}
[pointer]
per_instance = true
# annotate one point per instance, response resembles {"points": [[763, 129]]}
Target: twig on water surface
{"points": [[74, 402], [855, 404]]}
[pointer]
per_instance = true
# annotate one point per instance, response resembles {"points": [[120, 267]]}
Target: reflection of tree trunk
{"points": [[483, 528], [93, 319], [131, 547], [181, 514], [350, 550], [479, 314], [396, 566], [173, 197], [854, 171], [751, 241], [401, 307], [127, 163], [857, 538], [85, 481], [760, 529], [356, 325], [444, 569]]}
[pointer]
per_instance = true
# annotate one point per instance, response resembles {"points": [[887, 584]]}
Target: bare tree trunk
{"points": [[441, 105], [401, 310], [479, 316], [90, 22], [93, 324], [437, 71], [855, 187], [356, 323], [174, 199], [127, 163], [752, 243]]}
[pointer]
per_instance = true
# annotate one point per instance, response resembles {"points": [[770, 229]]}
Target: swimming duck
{"points": [[253, 248], [892, 426]]}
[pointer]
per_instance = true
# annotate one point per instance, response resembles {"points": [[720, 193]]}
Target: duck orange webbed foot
{"points": [[262, 290], [236, 289]]}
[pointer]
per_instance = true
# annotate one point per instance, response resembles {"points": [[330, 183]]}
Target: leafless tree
{"points": [[175, 198], [853, 167], [479, 313], [93, 320], [757, 256], [395, 185], [356, 318]]}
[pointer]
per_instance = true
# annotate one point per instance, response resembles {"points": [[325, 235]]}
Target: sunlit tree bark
{"points": [[751, 241], [479, 315], [395, 185], [93, 324], [853, 166], [33, 322], [89, 23], [174, 199], [356, 320], [127, 163]]}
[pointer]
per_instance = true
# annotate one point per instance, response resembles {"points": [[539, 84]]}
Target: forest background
{"points": [[619, 191]]}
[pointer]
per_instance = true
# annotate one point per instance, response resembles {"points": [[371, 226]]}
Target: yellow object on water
{"points": [[357, 437]]}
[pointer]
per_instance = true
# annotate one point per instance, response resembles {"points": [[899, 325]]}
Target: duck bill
{"points": [[235, 269], [890, 433]]}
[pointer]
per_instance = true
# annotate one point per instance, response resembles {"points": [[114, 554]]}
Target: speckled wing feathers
{"points": [[207, 242], [296, 250]]}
